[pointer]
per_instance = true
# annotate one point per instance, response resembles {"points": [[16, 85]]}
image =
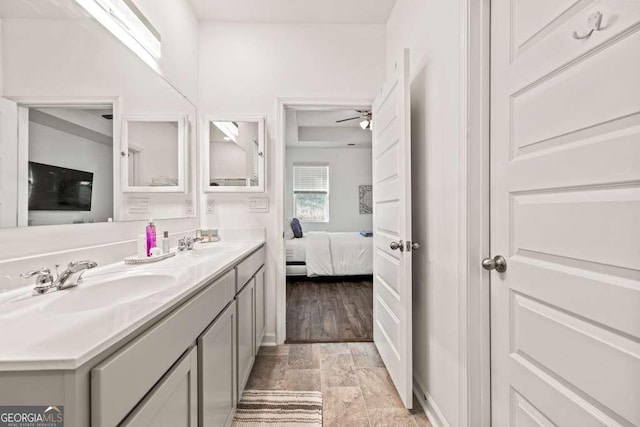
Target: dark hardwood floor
{"points": [[329, 310]]}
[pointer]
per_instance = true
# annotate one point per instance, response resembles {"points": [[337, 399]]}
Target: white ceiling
{"points": [[295, 11]]}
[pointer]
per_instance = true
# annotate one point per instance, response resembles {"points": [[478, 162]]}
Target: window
{"points": [[311, 193]]}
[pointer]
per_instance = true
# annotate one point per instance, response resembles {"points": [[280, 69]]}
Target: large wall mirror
{"points": [[233, 154], [89, 132]]}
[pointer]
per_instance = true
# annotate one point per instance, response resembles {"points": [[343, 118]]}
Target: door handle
{"points": [[412, 246], [397, 245], [497, 263]]}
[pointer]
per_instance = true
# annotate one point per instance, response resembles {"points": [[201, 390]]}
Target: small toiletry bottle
{"points": [[165, 243], [151, 237]]}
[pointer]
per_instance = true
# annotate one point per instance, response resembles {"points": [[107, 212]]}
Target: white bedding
{"points": [[319, 261], [332, 254], [296, 250], [351, 253]]}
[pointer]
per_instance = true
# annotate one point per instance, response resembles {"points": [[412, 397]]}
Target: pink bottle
{"points": [[151, 237]]}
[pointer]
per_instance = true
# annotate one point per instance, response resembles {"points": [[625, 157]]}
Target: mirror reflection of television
{"points": [[52, 188]]}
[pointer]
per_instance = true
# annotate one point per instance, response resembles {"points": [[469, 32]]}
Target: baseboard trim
{"points": [[269, 340], [428, 404]]}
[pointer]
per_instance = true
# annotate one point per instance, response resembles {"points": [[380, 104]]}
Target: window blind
{"points": [[311, 179]]}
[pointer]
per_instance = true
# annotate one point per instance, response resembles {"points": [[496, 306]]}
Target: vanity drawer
{"points": [[121, 381], [249, 267]]}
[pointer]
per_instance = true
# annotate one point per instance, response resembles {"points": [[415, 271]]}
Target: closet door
{"points": [[565, 213]]}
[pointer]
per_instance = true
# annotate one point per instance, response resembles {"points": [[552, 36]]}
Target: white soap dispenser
{"points": [[166, 247]]}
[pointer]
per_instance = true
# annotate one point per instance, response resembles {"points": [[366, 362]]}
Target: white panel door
{"points": [[392, 228], [8, 163], [565, 213]]}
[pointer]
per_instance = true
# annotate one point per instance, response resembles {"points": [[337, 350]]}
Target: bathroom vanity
{"points": [[167, 344]]}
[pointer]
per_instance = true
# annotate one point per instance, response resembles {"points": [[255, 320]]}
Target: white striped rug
{"points": [[279, 408]]}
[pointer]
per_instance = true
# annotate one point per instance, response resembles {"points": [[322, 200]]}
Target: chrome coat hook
{"points": [[595, 24]]}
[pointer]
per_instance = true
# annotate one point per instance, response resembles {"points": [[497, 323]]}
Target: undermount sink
{"points": [[98, 293]]}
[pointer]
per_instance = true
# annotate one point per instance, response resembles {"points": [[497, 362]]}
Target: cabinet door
{"points": [[173, 402], [245, 301], [260, 309], [217, 358]]}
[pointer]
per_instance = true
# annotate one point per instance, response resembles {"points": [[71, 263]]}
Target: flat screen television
{"points": [[52, 188]]}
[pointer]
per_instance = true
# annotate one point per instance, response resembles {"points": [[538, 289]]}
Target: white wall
{"points": [[432, 30], [1, 62], [271, 61], [348, 169], [227, 160], [79, 58], [53, 147], [177, 24], [157, 143]]}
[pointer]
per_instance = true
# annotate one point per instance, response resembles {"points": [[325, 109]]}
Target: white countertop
{"points": [[34, 336]]}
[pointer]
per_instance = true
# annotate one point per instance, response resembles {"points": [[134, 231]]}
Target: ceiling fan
{"points": [[367, 117]]}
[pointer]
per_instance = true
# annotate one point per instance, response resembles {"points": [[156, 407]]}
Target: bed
{"points": [[320, 253]]}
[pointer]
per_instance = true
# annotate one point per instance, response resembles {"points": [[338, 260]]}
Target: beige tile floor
{"points": [[356, 387]]}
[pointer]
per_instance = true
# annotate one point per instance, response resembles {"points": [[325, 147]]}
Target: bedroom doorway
{"points": [[327, 219]]}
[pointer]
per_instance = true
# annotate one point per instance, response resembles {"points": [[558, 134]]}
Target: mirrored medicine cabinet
{"points": [[233, 154], [154, 149]]}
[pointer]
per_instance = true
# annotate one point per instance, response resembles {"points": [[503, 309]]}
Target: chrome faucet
{"points": [[73, 268], [187, 243], [45, 281]]}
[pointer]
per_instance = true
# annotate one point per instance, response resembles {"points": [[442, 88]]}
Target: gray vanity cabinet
{"points": [[124, 378], [245, 301], [184, 368], [260, 308], [217, 366], [173, 402]]}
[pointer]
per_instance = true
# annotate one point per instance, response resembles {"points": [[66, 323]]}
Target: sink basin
{"points": [[97, 293]]}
